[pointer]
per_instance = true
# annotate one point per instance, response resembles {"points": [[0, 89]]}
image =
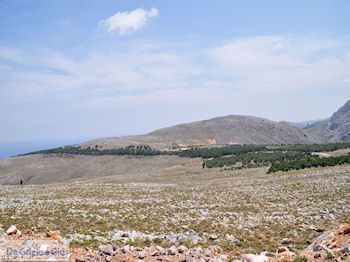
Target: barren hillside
{"points": [[48, 169], [336, 128], [220, 130]]}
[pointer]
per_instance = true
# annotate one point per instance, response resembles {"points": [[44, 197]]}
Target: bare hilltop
{"points": [[237, 129], [226, 130]]}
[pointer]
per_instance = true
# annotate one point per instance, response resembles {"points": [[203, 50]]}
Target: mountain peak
{"points": [[225, 130], [336, 128]]}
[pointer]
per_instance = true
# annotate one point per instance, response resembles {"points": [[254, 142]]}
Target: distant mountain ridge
{"points": [[304, 124], [238, 129], [334, 129], [231, 129]]}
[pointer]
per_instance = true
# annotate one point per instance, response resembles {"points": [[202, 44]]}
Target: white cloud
{"points": [[129, 22], [264, 76], [283, 63], [10, 54], [241, 66]]}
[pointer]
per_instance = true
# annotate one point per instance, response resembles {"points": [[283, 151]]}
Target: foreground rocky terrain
{"points": [[232, 212], [333, 245]]}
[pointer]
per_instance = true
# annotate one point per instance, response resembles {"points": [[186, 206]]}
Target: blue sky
{"points": [[83, 69]]}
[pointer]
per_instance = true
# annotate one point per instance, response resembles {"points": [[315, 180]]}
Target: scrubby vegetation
{"points": [[142, 150], [279, 157], [255, 159], [313, 147], [309, 162], [208, 152]]}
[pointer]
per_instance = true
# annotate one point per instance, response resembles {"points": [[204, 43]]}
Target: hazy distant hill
{"points": [[336, 128], [230, 129], [304, 124]]}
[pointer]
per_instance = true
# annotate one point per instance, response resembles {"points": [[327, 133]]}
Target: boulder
{"points": [[282, 249], [106, 249], [182, 249], [11, 230], [286, 241], [142, 254], [213, 237], [53, 235], [345, 249], [215, 249], [232, 239], [254, 258], [172, 250], [344, 229]]}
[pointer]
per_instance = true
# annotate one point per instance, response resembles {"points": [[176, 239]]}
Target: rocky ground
{"points": [[215, 214], [333, 245]]}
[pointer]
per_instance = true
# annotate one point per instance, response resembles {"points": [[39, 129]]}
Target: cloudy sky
{"points": [[93, 68]]}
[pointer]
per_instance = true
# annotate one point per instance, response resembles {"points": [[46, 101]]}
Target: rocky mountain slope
{"points": [[336, 128], [230, 129]]}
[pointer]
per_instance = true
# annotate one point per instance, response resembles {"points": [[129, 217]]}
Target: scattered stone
{"points": [[172, 250], [154, 252], [345, 249], [18, 233], [213, 237], [215, 249], [142, 254], [319, 230], [331, 244], [98, 238], [222, 258], [28, 232], [344, 230], [198, 251], [268, 254], [11, 230], [254, 258], [79, 237], [207, 253], [126, 249], [232, 239], [106, 249], [157, 251], [189, 236], [286, 241], [53, 235], [317, 248], [182, 249], [282, 249]]}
